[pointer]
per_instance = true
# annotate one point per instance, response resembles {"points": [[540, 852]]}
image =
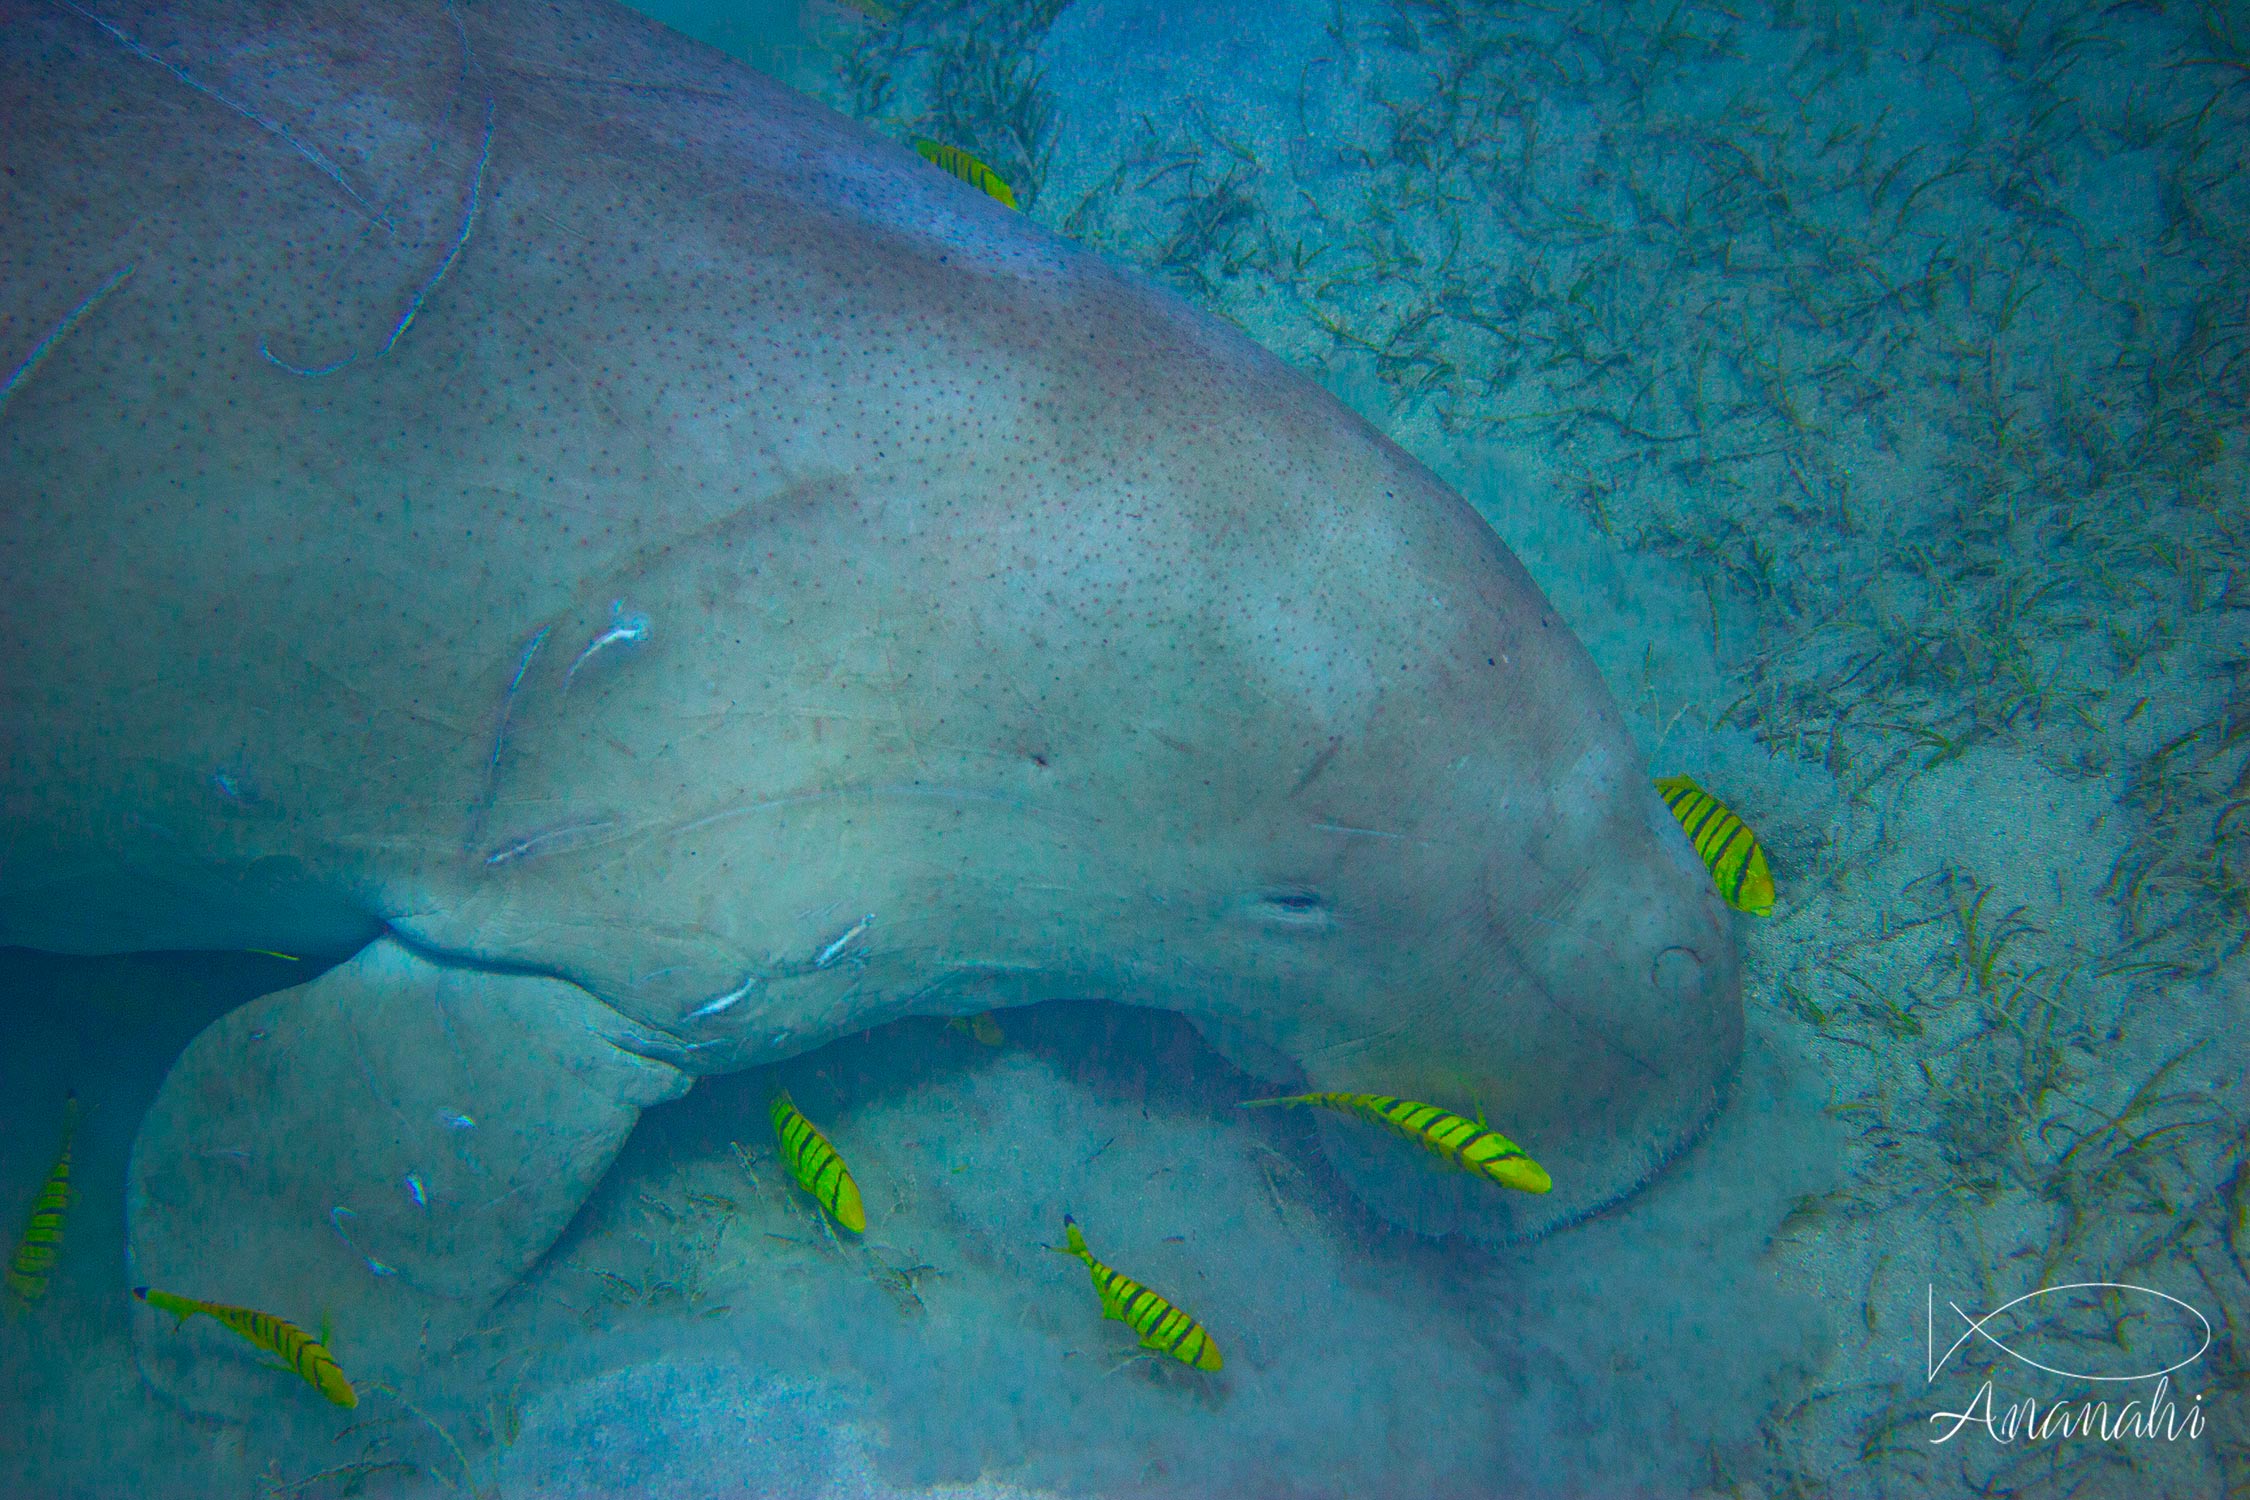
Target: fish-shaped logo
{"points": [[2151, 1304]]}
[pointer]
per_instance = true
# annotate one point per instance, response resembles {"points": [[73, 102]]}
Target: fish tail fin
{"points": [[1073, 1243], [164, 1302], [1283, 1101]]}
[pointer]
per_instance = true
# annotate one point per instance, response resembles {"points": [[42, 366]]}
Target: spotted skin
{"points": [[1161, 1326], [297, 1349]]}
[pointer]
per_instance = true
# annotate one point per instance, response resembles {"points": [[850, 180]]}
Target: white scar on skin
{"points": [[625, 629], [726, 1001], [540, 843], [835, 950]]}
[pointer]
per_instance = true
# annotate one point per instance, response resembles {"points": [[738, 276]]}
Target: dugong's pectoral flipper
{"points": [[390, 1146]]}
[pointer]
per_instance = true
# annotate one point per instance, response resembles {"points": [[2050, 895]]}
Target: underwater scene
{"points": [[1124, 748]]}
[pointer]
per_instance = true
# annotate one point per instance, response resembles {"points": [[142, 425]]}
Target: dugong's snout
{"points": [[1498, 913], [1512, 925], [1597, 1029], [1642, 1018]]}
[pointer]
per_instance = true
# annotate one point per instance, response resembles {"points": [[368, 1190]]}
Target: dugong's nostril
{"points": [[1676, 973]]}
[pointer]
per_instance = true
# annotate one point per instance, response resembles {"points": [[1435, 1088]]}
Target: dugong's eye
{"points": [[1296, 906]]}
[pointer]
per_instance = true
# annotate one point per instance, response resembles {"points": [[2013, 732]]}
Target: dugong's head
{"points": [[1400, 835], [1342, 787]]}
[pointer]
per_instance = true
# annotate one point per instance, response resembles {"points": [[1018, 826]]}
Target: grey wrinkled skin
{"points": [[684, 580]]}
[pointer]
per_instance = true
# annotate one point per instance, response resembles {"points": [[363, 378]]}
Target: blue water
{"points": [[1865, 385]]}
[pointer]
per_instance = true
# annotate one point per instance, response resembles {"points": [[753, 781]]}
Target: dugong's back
{"points": [[504, 475], [368, 342]]}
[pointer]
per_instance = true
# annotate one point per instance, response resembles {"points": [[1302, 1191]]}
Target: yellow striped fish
{"points": [[34, 1260], [297, 1349], [816, 1165], [966, 167], [1162, 1326], [1469, 1144], [1728, 849]]}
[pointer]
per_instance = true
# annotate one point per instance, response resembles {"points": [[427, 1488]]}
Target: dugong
{"points": [[662, 578]]}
